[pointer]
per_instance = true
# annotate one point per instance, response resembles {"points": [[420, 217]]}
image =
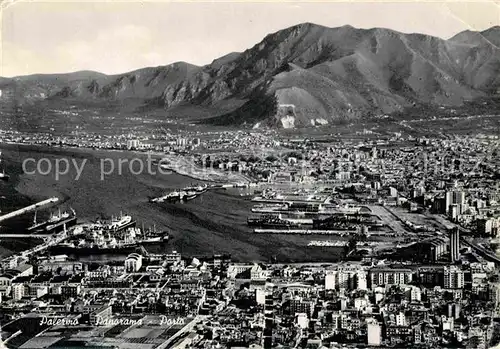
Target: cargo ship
{"points": [[64, 223], [170, 197], [199, 189], [186, 194], [155, 237], [111, 245], [151, 236], [54, 223], [271, 222], [71, 249], [120, 223], [266, 208]]}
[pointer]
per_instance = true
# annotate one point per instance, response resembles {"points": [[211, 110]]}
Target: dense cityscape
{"points": [[417, 220], [259, 175]]}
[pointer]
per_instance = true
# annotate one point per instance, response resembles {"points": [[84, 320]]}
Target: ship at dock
{"points": [[271, 222], [100, 239], [55, 223], [185, 194], [120, 223], [306, 208]]}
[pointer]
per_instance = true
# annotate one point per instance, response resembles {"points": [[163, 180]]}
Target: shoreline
{"points": [[214, 222], [179, 164], [189, 169]]}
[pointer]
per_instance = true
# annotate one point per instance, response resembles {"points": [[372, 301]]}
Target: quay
{"points": [[183, 194], [304, 231], [37, 236], [325, 232], [28, 208]]}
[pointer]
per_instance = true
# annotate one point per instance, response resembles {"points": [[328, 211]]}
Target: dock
{"points": [[28, 209], [20, 236], [304, 231]]}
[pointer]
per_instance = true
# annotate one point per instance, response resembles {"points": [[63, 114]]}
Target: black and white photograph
{"points": [[249, 174]]}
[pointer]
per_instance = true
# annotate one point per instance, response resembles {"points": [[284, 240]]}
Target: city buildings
{"points": [[454, 245]]}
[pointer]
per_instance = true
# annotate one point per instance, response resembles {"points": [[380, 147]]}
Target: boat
{"points": [[271, 222], [55, 221], [189, 195], [199, 189], [93, 250], [154, 236], [170, 197], [120, 223], [152, 239], [36, 225], [265, 208], [66, 244], [62, 220]]}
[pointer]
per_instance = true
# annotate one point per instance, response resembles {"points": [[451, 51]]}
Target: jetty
{"points": [[28, 209]]}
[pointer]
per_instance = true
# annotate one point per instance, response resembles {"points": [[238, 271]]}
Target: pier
{"points": [[182, 195], [28, 209], [19, 236], [305, 231]]}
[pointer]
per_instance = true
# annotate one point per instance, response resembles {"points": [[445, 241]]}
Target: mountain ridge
{"points": [[327, 74]]}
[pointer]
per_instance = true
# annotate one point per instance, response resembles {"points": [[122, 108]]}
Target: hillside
{"points": [[315, 75]]}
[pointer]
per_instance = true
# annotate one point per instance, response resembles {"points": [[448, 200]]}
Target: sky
{"points": [[115, 37]]}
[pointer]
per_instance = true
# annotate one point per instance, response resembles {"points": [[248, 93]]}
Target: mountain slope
{"points": [[315, 75]]}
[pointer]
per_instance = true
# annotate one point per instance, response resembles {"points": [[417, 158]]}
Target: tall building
{"points": [[494, 293], [374, 333], [330, 280], [456, 197], [400, 319], [454, 245], [453, 277], [380, 276], [267, 335], [415, 294], [347, 277], [361, 278]]}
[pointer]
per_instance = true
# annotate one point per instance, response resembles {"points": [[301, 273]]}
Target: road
{"points": [[390, 219], [188, 328], [481, 250]]}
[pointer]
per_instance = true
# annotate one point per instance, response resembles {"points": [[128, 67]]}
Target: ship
{"points": [[264, 208], [170, 197], [185, 194], [188, 195], [54, 222], [199, 189], [38, 225], [61, 221], [90, 250], [120, 223], [155, 237], [271, 222]]}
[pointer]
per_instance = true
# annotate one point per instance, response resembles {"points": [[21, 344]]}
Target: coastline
{"points": [[182, 166], [215, 222], [179, 164]]}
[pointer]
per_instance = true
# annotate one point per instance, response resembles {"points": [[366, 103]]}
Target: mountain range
{"points": [[304, 75]]}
